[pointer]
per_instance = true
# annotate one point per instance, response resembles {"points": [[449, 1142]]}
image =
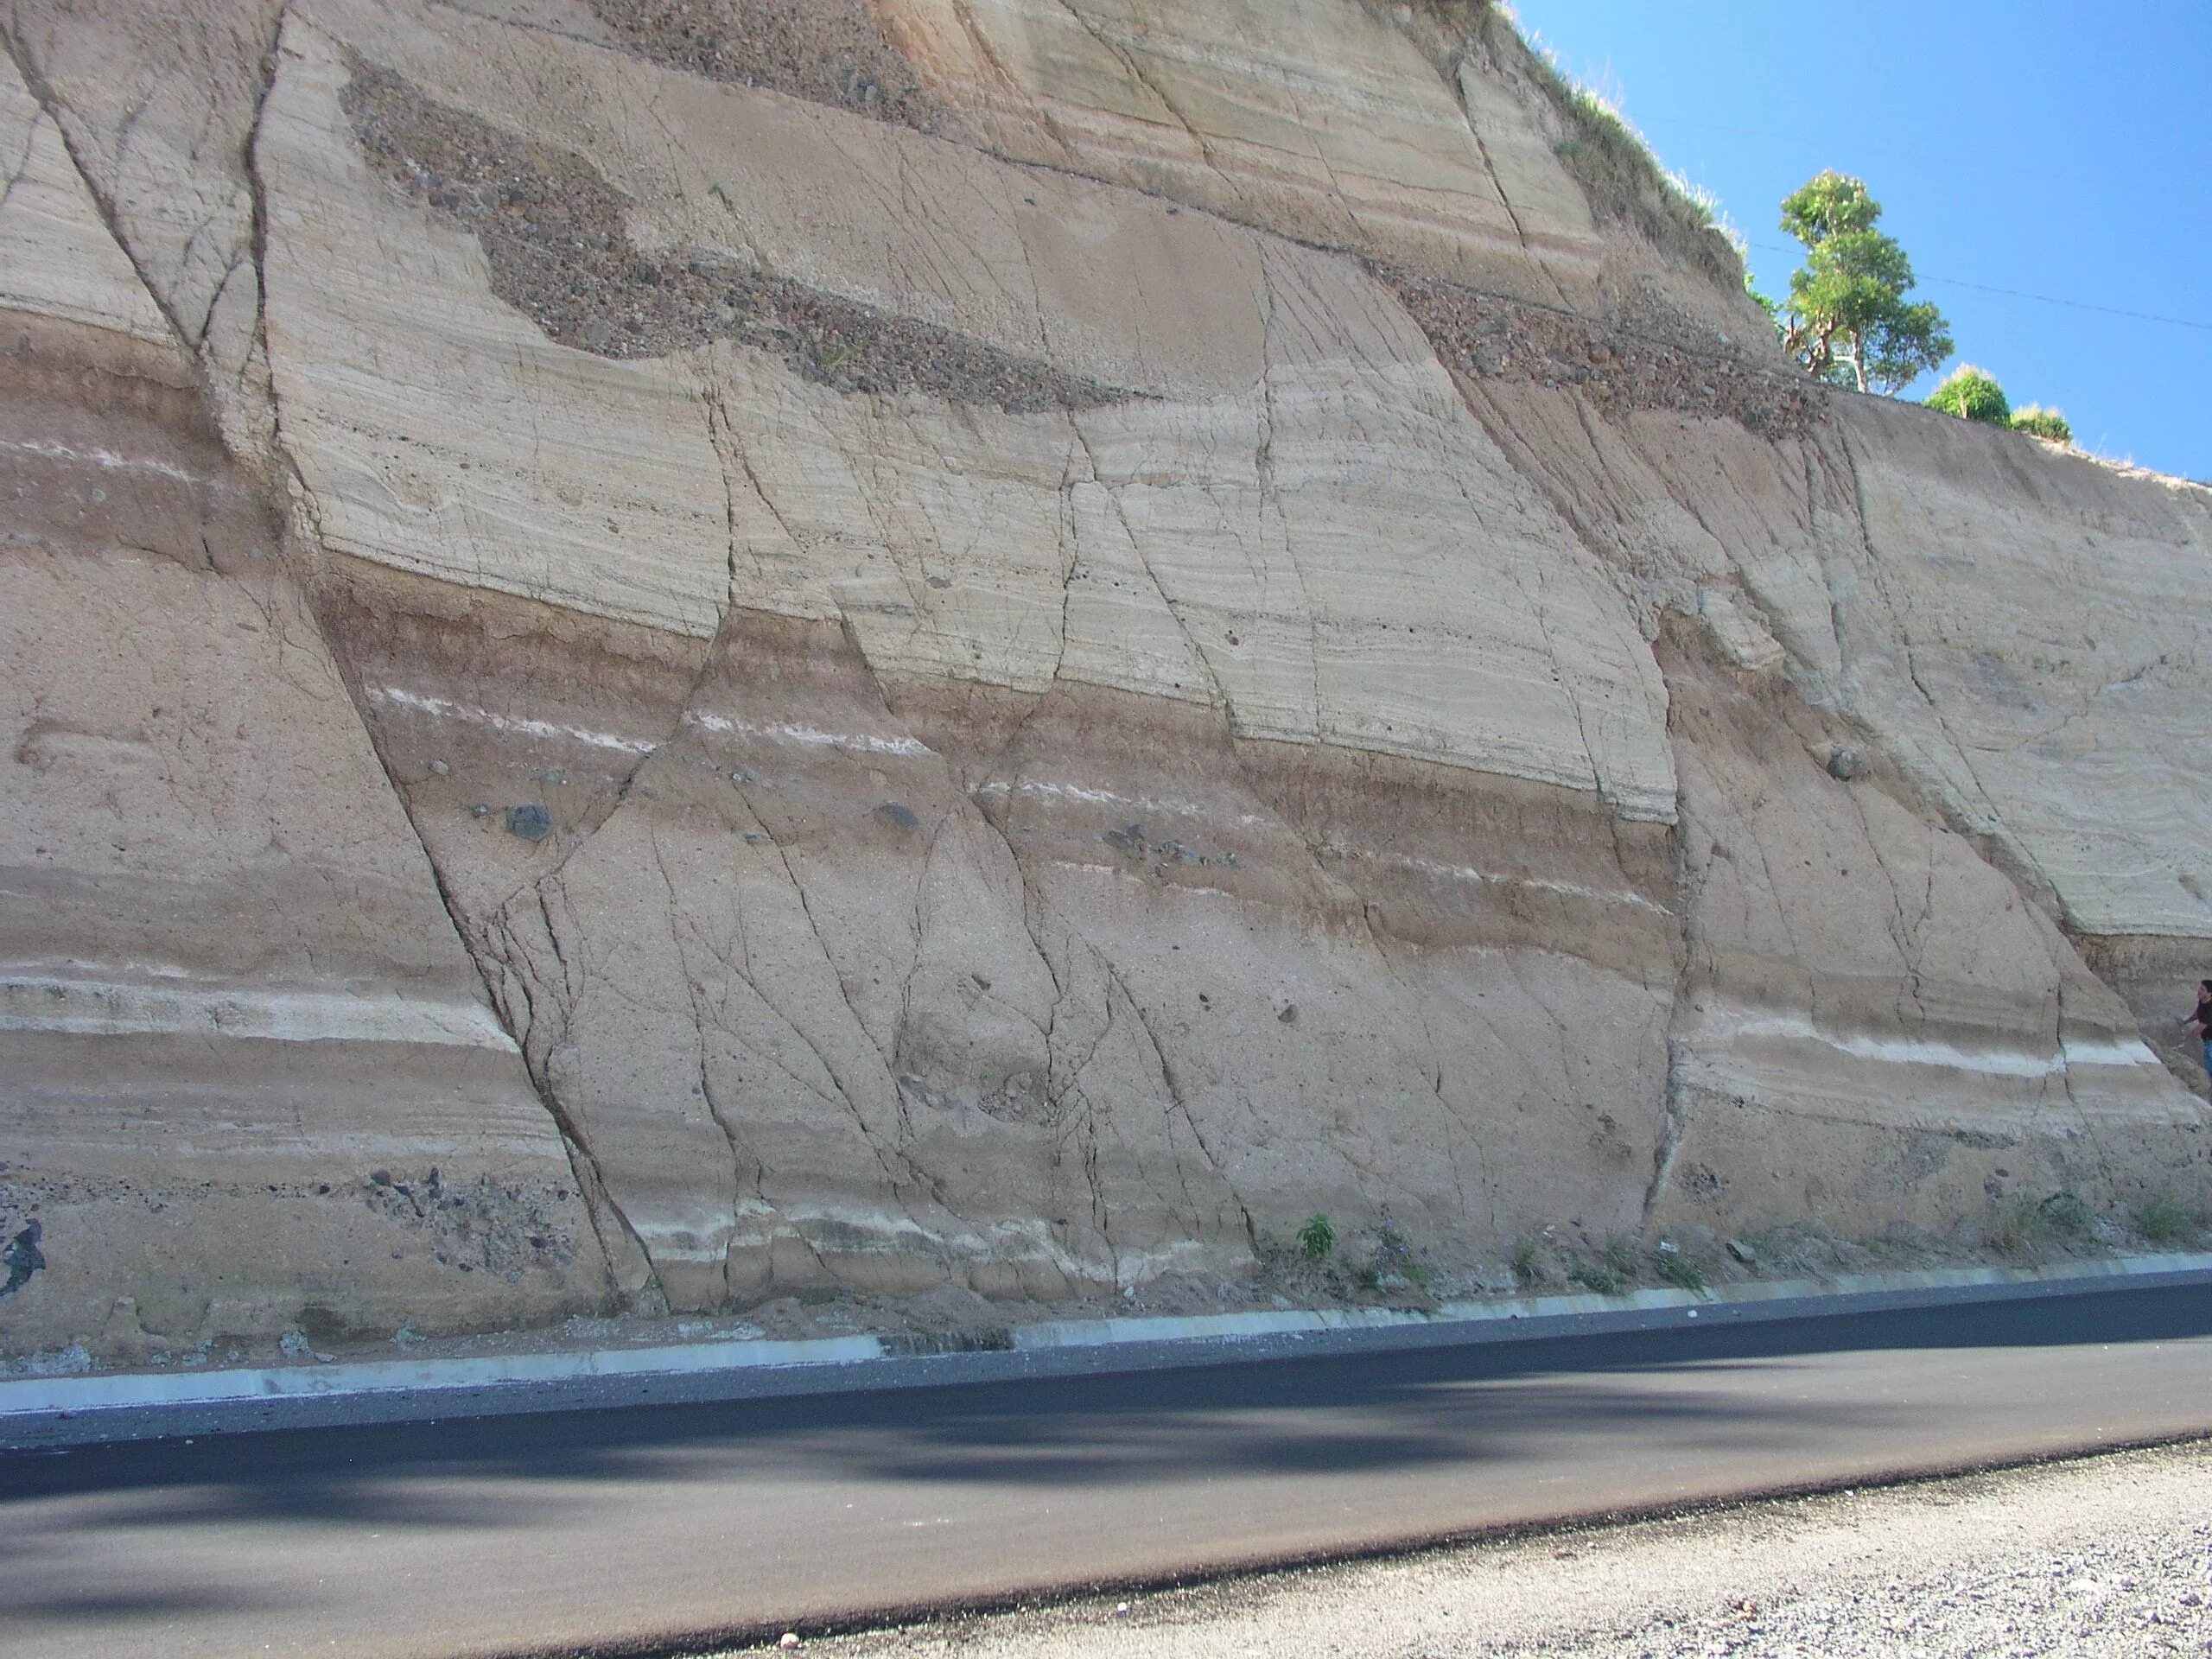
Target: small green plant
{"points": [[1619, 1257], [1680, 1271], [1395, 1254], [1596, 1275], [1369, 1277], [1317, 1238], [1972, 394], [1526, 1260], [2040, 422], [2065, 1213], [2164, 1219], [2011, 1231], [2024, 1223]]}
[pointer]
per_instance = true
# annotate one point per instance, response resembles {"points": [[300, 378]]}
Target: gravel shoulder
{"points": [[2102, 1556]]}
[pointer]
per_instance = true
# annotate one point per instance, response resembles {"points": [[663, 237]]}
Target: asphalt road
{"points": [[659, 1525]]}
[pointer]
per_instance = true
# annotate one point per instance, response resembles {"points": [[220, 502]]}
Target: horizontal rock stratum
{"points": [[660, 653]]}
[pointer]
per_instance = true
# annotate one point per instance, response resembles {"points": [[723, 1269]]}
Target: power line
{"points": [[1855, 142], [2017, 294]]}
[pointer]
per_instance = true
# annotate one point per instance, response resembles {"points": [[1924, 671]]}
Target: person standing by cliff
{"points": [[2200, 1021]]}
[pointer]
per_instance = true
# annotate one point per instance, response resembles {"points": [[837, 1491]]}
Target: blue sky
{"points": [[2063, 149]]}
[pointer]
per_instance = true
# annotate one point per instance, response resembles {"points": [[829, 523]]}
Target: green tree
{"points": [[1847, 320], [1972, 394]]}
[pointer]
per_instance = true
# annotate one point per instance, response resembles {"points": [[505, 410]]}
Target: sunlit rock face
{"points": [[1012, 644], [238, 1031]]}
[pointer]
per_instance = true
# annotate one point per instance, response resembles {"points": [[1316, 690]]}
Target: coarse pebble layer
{"points": [[553, 233], [1489, 337], [832, 52]]}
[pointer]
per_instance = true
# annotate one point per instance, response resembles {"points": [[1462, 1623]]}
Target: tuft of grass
{"points": [[2023, 1223], [1680, 1271], [1317, 1238], [2164, 1218], [1614, 165], [1394, 1253], [1526, 1263], [2006, 1234], [1620, 1257], [1598, 1276], [1601, 151], [2040, 422], [2065, 1213]]}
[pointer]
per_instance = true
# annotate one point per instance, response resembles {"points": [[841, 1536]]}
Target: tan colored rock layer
{"points": [[1045, 996], [1865, 994], [1216, 541], [1997, 616], [1029, 640], [229, 998], [157, 102]]}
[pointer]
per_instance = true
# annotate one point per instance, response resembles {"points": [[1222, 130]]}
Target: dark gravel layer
{"points": [[553, 231], [828, 51], [1487, 338]]}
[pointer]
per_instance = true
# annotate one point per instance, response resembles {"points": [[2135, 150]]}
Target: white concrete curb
{"points": [[1091, 1332], [33, 1410], [75, 1394]]}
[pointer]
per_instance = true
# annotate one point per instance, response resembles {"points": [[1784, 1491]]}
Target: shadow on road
{"points": [[1476, 1410]]}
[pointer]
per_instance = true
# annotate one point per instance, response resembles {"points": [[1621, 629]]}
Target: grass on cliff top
{"points": [[1615, 166], [1605, 153]]}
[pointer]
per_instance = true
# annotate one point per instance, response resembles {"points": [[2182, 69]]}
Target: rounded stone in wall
{"points": [[531, 821]]}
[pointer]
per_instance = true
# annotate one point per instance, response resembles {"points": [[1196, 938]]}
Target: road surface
{"points": [[685, 1524]]}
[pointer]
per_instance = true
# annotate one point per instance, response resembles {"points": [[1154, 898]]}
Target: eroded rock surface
{"points": [[666, 656], [230, 999]]}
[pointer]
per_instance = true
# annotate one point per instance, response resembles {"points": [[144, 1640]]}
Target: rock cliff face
{"points": [[660, 651]]}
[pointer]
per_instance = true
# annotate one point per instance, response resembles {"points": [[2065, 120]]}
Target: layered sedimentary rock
{"points": [[1013, 644], [250, 1077]]}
